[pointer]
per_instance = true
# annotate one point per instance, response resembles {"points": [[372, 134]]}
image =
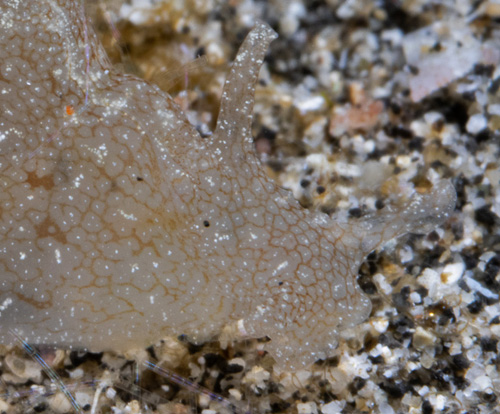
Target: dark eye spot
{"points": [[280, 283], [139, 179], [206, 223]]}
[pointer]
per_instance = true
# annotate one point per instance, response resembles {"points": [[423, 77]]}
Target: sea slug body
{"points": [[120, 224]]}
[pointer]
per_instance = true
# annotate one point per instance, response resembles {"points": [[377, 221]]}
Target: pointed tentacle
{"points": [[233, 132], [422, 214]]}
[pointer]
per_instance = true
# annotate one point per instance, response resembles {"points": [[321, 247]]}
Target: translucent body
{"points": [[120, 224]]}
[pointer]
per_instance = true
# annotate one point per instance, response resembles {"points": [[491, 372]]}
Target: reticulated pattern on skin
{"points": [[120, 224]]}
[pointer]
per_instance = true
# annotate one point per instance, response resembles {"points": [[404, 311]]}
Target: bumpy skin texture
{"points": [[120, 224]]}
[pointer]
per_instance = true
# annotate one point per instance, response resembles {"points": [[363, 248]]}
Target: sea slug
{"points": [[120, 224]]}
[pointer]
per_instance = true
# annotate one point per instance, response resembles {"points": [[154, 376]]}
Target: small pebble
{"points": [[452, 272], [307, 408], [476, 124], [334, 407]]}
